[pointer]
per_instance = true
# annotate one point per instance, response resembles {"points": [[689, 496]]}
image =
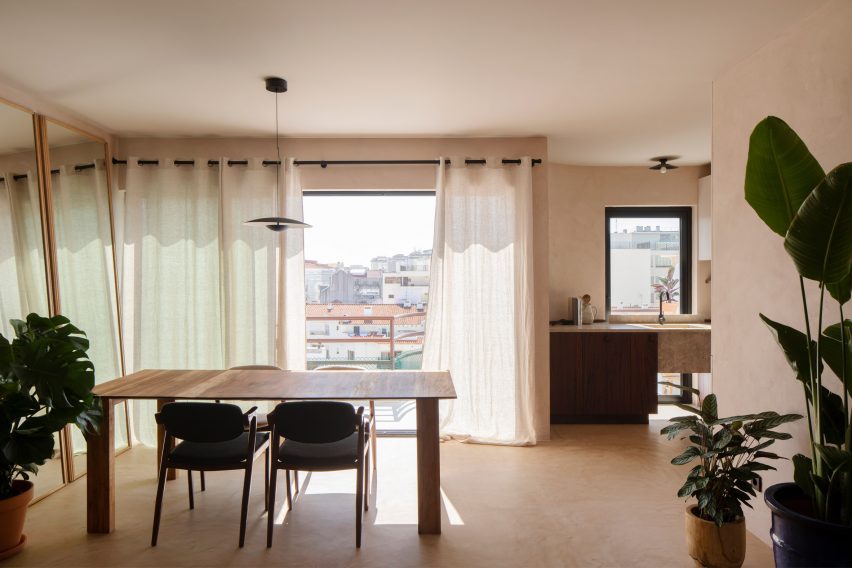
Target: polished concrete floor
{"points": [[593, 496]]}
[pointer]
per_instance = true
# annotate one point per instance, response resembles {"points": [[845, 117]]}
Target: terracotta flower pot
{"points": [[13, 511], [713, 546], [671, 307]]}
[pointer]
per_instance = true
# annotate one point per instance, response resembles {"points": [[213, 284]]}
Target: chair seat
{"points": [[197, 455], [342, 454]]}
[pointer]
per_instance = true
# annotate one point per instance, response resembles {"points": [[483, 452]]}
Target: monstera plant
{"points": [[812, 211], [46, 382]]}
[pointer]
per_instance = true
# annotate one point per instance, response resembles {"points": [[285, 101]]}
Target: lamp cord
{"points": [[278, 156]]}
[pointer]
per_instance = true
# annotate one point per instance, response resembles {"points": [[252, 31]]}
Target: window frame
{"points": [[684, 214]]}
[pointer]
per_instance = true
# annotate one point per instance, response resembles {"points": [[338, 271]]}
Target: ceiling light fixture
{"points": [[664, 164], [277, 85]]}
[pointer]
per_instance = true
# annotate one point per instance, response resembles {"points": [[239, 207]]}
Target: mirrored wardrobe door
{"points": [[23, 272], [85, 263]]}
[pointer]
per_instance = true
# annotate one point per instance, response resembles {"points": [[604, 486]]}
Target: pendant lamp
{"points": [[277, 85]]}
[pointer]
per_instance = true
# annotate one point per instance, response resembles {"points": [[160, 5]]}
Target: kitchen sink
{"points": [[672, 325]]}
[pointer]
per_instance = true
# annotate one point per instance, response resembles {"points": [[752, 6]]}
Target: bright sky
{"points": [[355, 229]]}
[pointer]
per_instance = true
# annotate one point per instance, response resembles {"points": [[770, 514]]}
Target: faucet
{"points": [[661, 318]]}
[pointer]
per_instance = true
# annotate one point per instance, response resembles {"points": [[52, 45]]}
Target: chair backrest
{"points": [[202, 421], [255, 368], [340, 368], [314, 421]]}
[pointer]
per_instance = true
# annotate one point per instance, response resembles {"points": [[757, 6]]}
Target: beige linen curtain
{"points": [[201, 290], [22, 275], [84, 267], [479, 322]]}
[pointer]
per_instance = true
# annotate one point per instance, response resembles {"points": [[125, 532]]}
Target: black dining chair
{"points": [[262, 424], [371, 417], [214, 437], [320, 436]]}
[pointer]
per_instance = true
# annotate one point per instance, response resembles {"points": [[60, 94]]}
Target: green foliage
{"points": [[780, 173], [831, 349], [819, 239], [668, 283], [813, 212], [46, 382], [727, 451]]}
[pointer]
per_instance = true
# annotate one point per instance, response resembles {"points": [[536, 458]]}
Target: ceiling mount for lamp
{"points": [[277, 85], [664, 164]]}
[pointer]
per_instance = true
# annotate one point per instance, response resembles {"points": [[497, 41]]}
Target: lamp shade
{"points": [[277, 223]]}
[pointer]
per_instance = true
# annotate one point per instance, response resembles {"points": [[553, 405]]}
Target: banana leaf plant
{"points": [[812, 211], [46, 382], [727, 451]]}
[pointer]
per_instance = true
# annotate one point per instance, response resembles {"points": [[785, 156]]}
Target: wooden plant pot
{"points": [[713, 546], [13, 511]]}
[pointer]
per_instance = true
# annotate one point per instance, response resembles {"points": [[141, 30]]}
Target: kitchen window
{"points": [[648, 253]]}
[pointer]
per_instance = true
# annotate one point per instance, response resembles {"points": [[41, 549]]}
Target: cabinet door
{"points": [[629, 374], [602, 377], [565, 374]]}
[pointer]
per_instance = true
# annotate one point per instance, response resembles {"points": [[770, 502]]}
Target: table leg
{"points": [[428, 467], [170, 473], [100, 478]]}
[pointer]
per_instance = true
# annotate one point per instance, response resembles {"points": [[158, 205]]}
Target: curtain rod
{"points": [[325, 163], [77, 168]]}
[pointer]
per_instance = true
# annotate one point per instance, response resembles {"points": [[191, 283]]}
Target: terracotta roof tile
{"points": [[355, 312]]}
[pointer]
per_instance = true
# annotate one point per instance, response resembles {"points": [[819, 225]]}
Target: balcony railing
{"points": [[395, 360]]}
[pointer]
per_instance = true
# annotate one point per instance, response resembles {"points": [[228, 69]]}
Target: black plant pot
{"points": [[799, 540]]}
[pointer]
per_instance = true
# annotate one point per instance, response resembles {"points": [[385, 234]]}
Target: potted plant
{"points": [[46, 381], [727, 450], [670, 285], [812, 211]]}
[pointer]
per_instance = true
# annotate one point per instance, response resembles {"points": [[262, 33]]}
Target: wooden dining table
{"points": [[426, 388]]}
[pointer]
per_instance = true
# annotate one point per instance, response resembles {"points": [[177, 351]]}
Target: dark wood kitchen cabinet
{"points": [[602, 377]]}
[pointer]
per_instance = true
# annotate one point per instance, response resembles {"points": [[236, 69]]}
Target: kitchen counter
{"points": [[608, 371], [680, 349], [606, 327]]}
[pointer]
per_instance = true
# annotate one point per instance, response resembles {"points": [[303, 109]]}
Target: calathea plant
{"points": [[46, 382], [727, 451], [668, 283], [812, 211]]}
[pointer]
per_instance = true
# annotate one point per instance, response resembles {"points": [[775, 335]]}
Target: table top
{"points": [[254, 384]]}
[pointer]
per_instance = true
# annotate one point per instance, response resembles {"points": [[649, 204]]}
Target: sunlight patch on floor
{"points": [[452, 514]]}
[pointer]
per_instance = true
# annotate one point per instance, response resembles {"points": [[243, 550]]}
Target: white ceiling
{"points": [[609, 81]]}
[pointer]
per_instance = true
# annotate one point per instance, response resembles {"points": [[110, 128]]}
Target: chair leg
{"points": [[359, 497], [270, 507], [289, 495], [203, 483], [244, 509], [373, 441], [366, 480], [296, 477], [189, 486], [266, 481], [158, 503]]}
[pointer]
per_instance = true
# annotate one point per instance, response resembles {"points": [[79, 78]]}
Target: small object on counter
{"points": [[589, 311], [576, 311]]}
